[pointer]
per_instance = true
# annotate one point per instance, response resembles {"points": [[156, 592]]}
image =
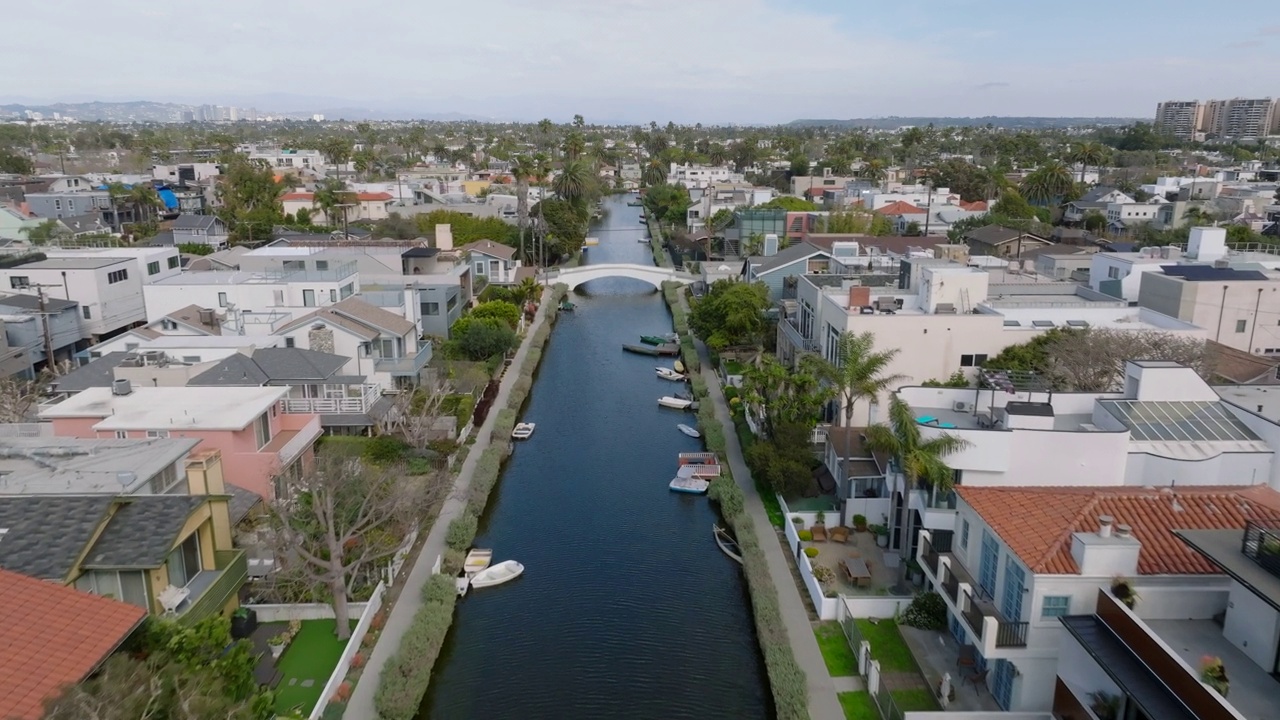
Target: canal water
{"points": [[626, 609]]}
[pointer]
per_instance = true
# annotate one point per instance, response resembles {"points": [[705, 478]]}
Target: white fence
{"points": [[397, 560], [828, 608], [301, 611], [353, 646], [879, 606]]}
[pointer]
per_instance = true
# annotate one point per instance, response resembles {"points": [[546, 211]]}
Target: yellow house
{"points": [[171, 554], [474, 187]]}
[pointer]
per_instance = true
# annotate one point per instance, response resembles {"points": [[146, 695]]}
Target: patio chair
{"points": [[840, 534], [819, 533], [967, 657], [979, 681]]}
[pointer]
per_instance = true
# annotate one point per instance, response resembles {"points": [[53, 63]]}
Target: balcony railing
{"points": [[232, 571], [938, 543], [973, 614], [369, 394], [305, 438], [1008, 634], [1262, 545], [405, 365], [951, 585]]}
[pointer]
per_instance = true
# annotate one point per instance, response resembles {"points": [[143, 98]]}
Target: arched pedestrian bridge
{"points": [[655, 276]]}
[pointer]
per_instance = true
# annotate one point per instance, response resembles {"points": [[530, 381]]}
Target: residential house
{"points": [[79, 226], [699, 176], [262, 448], [778, 268], [852, 474], [1123, 217], [1002, 241], [32, 329], [1064, 266], [346, 404], [54, 637], [1021, 563], [107, 289], [379, 344], [68, 204], [14, 360], [15, 223], [371, 206], [1097, 200], [729, 197], [207, 230], [151, 263], [495, 263], [808, 184]]}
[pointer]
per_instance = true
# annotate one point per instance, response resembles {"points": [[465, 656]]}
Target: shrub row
{"points": [[485, 477], [461, 531], [786, 678], [689, 354], [405, 677], [504, 422]]}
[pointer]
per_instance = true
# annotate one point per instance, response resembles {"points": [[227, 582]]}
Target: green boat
{"points": [[656, 339], [566, 306]]}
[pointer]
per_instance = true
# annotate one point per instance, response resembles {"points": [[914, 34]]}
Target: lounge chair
{"points": [[926, 419], [819, 533], [840, 534]]}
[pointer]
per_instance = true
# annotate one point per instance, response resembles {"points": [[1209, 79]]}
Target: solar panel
{"points": [[1179, 421], [1201, 273]]}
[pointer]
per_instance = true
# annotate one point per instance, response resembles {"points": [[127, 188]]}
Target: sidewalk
{"points": [[823, 703], [360, 707]]}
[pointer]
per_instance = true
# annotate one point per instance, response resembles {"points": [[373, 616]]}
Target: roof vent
{"points": [[1124, 531], [121, 387], [1104, 525]]}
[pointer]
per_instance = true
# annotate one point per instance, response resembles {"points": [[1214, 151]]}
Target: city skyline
{"points": [[758, 61]]}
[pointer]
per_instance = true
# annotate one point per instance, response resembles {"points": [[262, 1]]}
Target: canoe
{"points": [[504, 571], [641, 349], [669, 374], [727, 544], [523, 431], [674, 403], [477, 559], [690, 431], [694, 486]]}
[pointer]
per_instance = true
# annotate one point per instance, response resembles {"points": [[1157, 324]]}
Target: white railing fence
{"points": [[353, 646]]}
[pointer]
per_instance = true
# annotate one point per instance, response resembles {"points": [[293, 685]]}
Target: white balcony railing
{"points": [[369, 394], [305, 438]]}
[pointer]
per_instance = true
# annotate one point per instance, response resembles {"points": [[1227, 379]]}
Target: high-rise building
{"points": [[1248, 118], [1180, 118]]}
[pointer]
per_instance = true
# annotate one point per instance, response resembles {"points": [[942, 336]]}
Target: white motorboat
{"points": [[477, 559], [669, 374], [461, 583], [674, 403], [643, 240], [523, 431], [691, 485], [504, 571], [688, 430]]}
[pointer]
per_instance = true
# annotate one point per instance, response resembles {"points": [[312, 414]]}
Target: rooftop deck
{"points": [[1254, 693], [949, 418]]}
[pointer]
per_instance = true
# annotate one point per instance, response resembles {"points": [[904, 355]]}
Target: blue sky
{"points": [[712, 61]]}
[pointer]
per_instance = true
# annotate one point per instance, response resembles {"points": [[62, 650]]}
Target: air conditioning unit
{"points": [[961, 406]]}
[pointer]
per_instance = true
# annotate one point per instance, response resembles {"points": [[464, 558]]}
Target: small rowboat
{"points": [[675, 403], [691, 485], [504, 571], [679, 366], [523, 431], [727, 544], [690, 431], [658, 339], [669, 374], [477, 559]]}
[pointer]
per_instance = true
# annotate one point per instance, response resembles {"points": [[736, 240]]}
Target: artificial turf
{"points": [[311, 656], [839, 657], [858, 706], [887, 645]]}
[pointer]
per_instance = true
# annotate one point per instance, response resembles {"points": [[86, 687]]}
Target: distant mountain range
{"points": [[163, 112], [1029, 123]]}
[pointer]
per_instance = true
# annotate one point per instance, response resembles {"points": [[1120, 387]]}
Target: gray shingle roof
{"points": [[194, 222], [234, 370], [47, 533], [31, 302], [98, 373], [787, 256], [241, 502], [142, 531], [272, 366]]}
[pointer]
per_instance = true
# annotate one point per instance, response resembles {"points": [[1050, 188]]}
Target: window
{"points": [[966, 361], [1241, 325], [116, 276], [277, 297], [174, 262], [57, 204], [322, 264], [479, 267], [122, 434], [451, 303], [1055, 606], [190, 359], [167, 324], [288, 342], [155, 434], [153, 268], [85, 310], [964, 533], [126, 585], [222, 299], [430, 308], [19, 281], [294, 265], [347, 291], [262, 429], [309, 298], [184, 561], [71, 205], [1113, 273], [333, 295]]}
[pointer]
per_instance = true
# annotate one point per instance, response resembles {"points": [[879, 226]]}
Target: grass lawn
{"points": [[306, 665], [733, 367], [887, 645], [841, 661], [909, 700], [858, 706]]}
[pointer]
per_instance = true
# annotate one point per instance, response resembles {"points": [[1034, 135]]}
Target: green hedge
{"points": [[699, 386], [461, 531], [404, 679], [451, 563], [786, 678], [689, 354], [503, 423]]}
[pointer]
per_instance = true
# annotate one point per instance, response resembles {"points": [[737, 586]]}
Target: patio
{"points": [[936, 653], [1253, 692], [862, 545]]}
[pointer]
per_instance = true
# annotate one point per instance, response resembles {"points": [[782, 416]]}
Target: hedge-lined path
{"points": [[823, 703], [360, 706]]}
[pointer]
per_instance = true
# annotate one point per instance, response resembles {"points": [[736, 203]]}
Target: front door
{"points": [[987, 568], [1014, 579], [1002, 684]]}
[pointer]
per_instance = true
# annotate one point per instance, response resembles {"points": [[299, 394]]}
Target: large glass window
{"points": [[184, 562], [128, 585], [262, 428]]}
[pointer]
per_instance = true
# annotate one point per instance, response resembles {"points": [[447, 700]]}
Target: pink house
{"points": [[262, 447]]}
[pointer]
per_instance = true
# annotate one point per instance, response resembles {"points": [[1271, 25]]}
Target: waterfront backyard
{"points": [[306, 664]]}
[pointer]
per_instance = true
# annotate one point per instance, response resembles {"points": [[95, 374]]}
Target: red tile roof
{"points": [[1037, 522], [898, 207], [373, 197], [976, 205], [297, 197], [53, 635]]}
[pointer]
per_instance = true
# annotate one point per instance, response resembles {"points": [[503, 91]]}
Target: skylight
{"points": [[1042, 323], [1179, 421]]}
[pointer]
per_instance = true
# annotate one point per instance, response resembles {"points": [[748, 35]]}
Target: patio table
{"points": [[856, 569]]}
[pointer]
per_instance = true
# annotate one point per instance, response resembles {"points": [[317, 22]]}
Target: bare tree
{"points": [[344, 514], [127, 688], [1093, 360], [414, 416], [19, 396]]}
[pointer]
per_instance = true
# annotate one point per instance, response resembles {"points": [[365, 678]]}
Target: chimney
{"points": [[1104, 525], [320, 338], [444, 237], [859, 296], [1124, 531]]}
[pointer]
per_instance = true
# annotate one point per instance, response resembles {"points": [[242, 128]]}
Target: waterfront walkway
{"points": [[361, 707], [823, 703]]}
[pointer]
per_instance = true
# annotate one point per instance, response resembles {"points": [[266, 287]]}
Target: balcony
{"points": [[951, 586], [211, 590], [938, 542], [405, 365], [360, 403], [289, 443], [1008, 634], [1261, 544]]}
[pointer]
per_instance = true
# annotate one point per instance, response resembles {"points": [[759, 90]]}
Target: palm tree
{"points": [[858, 372], [917, 459], [144, 200], [574, 181], [1088, 153], [1047, 183], [872, 170], [717, 154], [574, 145], [116, 193], [330, 196], [528, 290], [655, 172], [993, 183], [522, 170]]}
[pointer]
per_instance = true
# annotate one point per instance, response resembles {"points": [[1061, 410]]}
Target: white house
{"points": [[381, 345], [152, 263], [701, 175], [494, 262], [371, 206], [108, 289], [713, 198]]}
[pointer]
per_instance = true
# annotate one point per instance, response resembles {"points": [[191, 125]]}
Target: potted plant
{"points": [[797, 521], [243, 622], [1123, 591], [811, 552], [860, 523], [915, 572], [1214, 674], [277, 644], [882, 535], [821, 519]]}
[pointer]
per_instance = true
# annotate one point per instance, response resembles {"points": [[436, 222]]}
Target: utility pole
{"points": [[50, 361]]}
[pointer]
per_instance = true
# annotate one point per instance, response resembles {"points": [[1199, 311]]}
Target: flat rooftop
{"points": [[233, 342], [1261, 400], [73, 263], [968, 419], [73, 466], [169, 408], [284, 251], [1253, 692]]}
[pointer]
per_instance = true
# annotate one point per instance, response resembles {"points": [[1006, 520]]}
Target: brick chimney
{"points": [[859, 296], [320, 338]]}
